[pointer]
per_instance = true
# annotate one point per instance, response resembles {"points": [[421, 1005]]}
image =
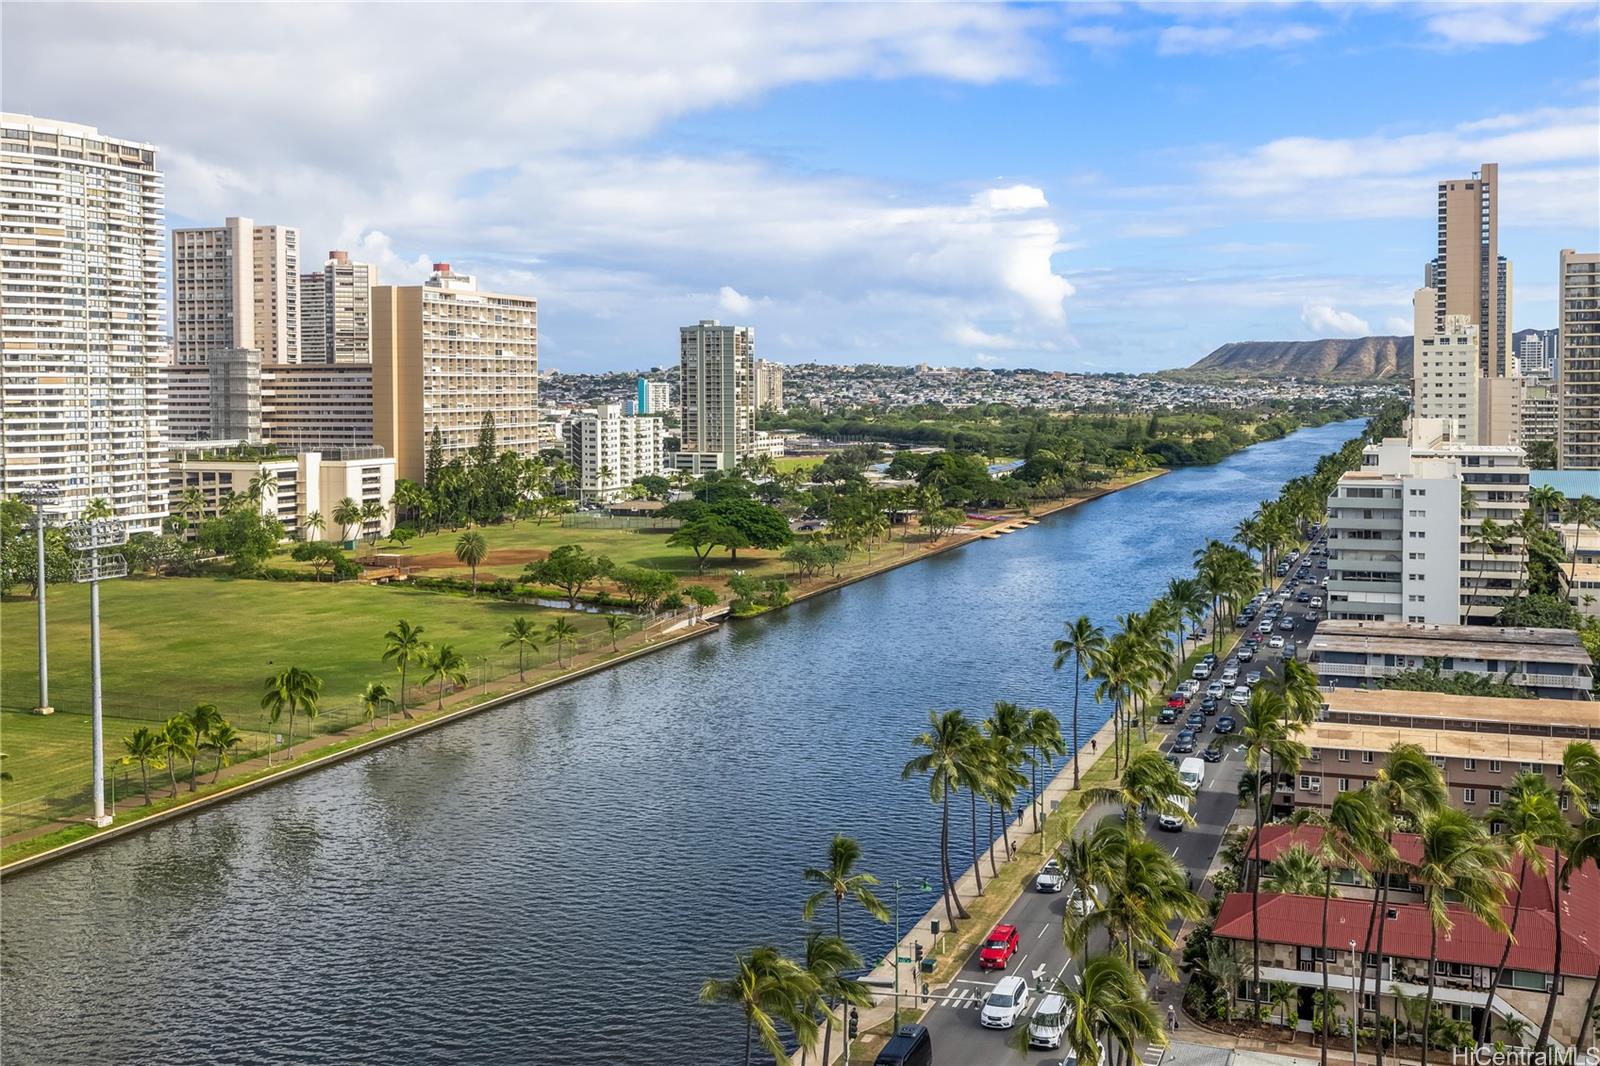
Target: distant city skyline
{"points": [[1087, 188]]}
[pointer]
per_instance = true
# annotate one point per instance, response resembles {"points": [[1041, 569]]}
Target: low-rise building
{"points": [[1551, 663], [293, 486], [609, 450]]}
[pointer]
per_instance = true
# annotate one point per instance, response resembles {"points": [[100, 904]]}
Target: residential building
{"points": [[1551, 663], [1296, 939], [718, 401], [1445, 372], [1534, 358], [1540, 411], [236, 286], [610, 450], [649, 398], [1402, 548], [233, 387], [1469, 276], [82, 398], [769, 385], [444, 355], [297, 405], [336, 311], [1500, 403], [1579, 372], [298, 486]]}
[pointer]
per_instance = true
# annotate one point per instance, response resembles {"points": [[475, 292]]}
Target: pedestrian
{"points": [[1093, 744], [1172, 1018]]}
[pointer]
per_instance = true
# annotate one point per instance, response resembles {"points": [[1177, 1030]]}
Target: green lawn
{"points": [[169, 643]]}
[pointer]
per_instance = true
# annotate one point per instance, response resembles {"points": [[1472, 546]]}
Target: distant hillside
{"points": [[1356, 359]]}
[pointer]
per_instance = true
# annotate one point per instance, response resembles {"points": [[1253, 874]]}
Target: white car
{"points": [[1241, 696], [1050, 879], [1049, 1022], [1189, 688], [1201, 671], [1275, 642], [1216, 690], [1265, 626], [1316, 601], [1080, 903], [1004, 1003], [1230, 676]]}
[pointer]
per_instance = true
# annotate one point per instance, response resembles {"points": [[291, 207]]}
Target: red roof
{"points": [[1297, 920]]}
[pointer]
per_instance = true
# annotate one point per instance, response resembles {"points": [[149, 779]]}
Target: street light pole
{"points": [[90, 536], [39, 496], [896, 1027]]}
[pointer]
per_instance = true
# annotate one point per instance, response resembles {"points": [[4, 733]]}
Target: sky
{"points": [[1090, 187]]}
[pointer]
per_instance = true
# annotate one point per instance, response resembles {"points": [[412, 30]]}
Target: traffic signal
{"points": [[917, 946], [855, 1022]]}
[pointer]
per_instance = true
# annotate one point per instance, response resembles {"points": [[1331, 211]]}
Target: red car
{"points": [[998, 949], [1177, 701]]}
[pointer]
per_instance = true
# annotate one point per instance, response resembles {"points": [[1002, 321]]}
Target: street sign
{"points": [[902, 958]]}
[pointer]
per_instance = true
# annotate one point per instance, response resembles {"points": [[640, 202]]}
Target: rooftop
{"points": [[1467, 642], [1463, 712], [1447, 743]]}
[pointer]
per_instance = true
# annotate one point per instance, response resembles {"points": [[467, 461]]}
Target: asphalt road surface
{"points": [[958, 1038]]}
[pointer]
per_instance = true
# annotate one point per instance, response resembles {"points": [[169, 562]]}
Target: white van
{"points": [[1049, 1023], [1191, 772]]}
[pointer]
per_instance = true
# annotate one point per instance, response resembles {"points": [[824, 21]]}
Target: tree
{"points": [[1110, 1005], [1043, 734], [828, 959], [374, 512], [701, 596], [223, 739], [312, 523], [569, 568], [293, 690], [374, 698], [1267, 737], [839, 881], [144, 748], [1531, 816], [1083, 643], [942, 744], [445, 665], [1148, 782], [705, 535], [643, 586], [322, 555], [243, 533], [616, 625], [347, 513], [769, 990], [521, 634], [1580, 783], [559, 633], [203, 719], [472, 549], [403, 645], [177, 741]]}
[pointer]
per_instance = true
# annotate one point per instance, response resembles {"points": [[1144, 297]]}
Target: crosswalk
{"points": [[958, 997], [1153, 1054]]}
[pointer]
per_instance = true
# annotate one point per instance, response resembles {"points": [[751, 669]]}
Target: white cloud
{"points": [[1399, 326], [1326, 321], [1098, 36], [1012, 198], [985, 359], [1183, 39], [733, 301], [1472, 24]]}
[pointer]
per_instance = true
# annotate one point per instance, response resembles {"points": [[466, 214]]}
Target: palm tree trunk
{"points": [[1327, 894], [1255, 909], [521, 653], [404, 713], [1116, 735], [1487, 1026], [747, 1023], [1383, 924], [992, 871], [1427, 1011], [219, 767], [1559, 870], [1076, 682], [1366, 944], [172, 774], [1588, 1011], [950, 896], [977, 869], [1005, 833], [192, 760]]}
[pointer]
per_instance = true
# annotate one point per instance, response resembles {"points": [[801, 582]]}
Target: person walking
{"points": [[1172, 1018]]}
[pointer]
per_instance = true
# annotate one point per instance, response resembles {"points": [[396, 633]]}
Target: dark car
{"points": [[1183, 743], [1167, 716], [1196, 720], [1226, 724], [910, 1046], [1303, 596], [1208, 705], [1214, 750]]}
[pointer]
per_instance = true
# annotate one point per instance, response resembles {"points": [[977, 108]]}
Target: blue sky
{"points": [[1104, 187]]}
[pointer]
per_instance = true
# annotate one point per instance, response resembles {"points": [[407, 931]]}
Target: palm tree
{"points": [[374, 698], [1546, 501], [1085, 869], [1043, 734], [374, 511], [1145, 890], [192, 504], [1148, 782], [403, 645], [348, 514], [769, 989], [839, 881], [560, 632], [1110, 1005], [313, 523], [1463, 864], [446, 665], [202, 719], [177, 740], [524, 635], [143, 747], [1352, 834], [1006, 731], [472, 549], [223, 739], [1531, 816], [947, 734], [616, 625], [1580, 784], [1083, 644], [290, 689], [1266, 736], [827, 961]]}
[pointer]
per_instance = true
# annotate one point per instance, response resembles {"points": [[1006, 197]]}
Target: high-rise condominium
{"points": [[1470, 277], [649, 398], [443, 356], [1579, 388], [1445, 377], [769, 385], [336, 311], [236, 286], [81, 392], [718, 401], [609, 449]]}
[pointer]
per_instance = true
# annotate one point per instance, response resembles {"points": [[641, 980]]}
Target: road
{"points": [[958, 1038]]}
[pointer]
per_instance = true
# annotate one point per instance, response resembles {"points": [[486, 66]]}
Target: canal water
{"points": [[548, 883]]}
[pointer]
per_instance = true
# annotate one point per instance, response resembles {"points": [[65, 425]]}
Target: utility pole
{"points": [[91, 536], [39, 496]]}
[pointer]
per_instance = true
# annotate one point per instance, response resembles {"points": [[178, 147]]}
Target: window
{"points": [[1494, 766], [1530, 768], [1469, 795], [1344, 784], [1344, 754], [1308, 783], [1494, 796], [1469, 764], [1366, 757]]}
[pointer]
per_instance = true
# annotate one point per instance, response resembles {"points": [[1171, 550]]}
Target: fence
{"points": [[642, 524]]}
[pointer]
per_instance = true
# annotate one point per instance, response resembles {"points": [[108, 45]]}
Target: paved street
{"points": [[958, 1038]]}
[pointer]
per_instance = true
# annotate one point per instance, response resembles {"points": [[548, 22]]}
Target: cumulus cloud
{"points": [[1473, 24], [1228, 37], [1327, 321], [733, 301]]}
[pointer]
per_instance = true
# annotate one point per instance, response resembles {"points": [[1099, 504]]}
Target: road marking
{"points": [[1038, 973], [1042, 932]]}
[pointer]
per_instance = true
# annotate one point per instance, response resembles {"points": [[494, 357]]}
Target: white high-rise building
{"points": [[336, 311], [1533, 357], [649, 398], [718, 401], [769, 385], [1445, 374], [236, 286], [82, 396], [610, 450]]}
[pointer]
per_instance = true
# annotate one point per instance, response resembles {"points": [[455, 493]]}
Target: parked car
{"points": [[1216, 749], [1004, 1003], [1183, 743], [1275, 642], [1003, 943], [1226, 725]]}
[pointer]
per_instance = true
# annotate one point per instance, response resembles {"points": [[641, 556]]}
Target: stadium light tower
{"points": [[91, 536], [39, 496]]}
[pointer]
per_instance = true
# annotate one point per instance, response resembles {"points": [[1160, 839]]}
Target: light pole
{"points": [[90, 536], [1355, 1008], [39, 496]]}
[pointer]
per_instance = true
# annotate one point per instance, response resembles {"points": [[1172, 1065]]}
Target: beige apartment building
{"points": [[82, 399], [336, 311], [299, 486], [292, 405], [236, 286], [1578, 398], [1445, 373], [1469, 276], [716, 367], [445, 354], [769, 385]]}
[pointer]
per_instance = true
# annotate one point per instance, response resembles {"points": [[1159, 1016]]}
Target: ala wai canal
{"points": [[548, 883]]}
